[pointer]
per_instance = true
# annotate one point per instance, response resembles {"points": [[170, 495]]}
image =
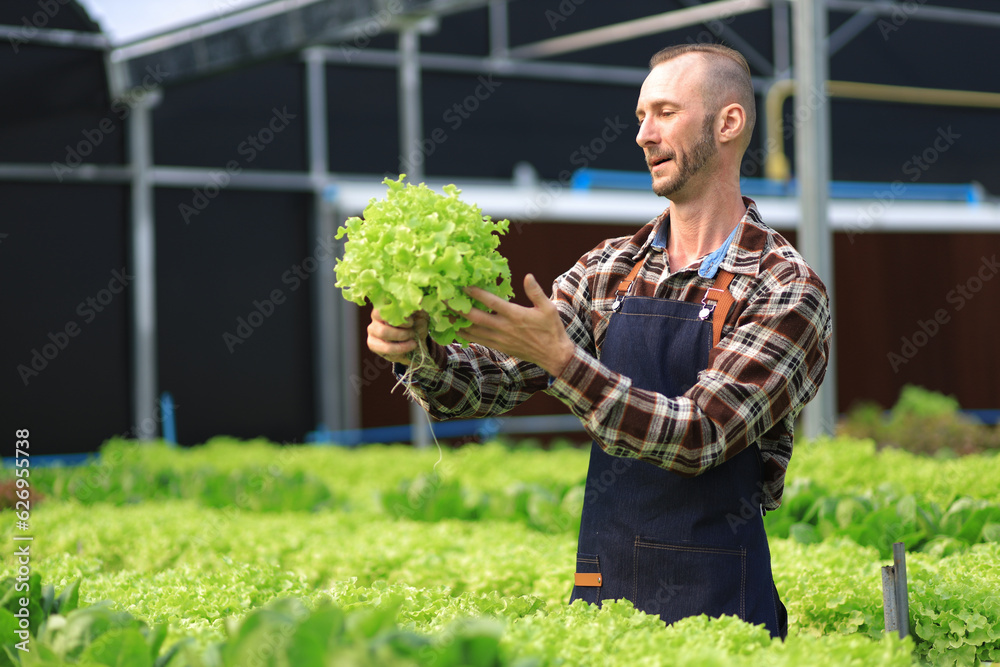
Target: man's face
{"points": [[676, 131]]}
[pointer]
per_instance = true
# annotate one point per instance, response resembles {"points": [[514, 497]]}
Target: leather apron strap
{"points": [[724, 300], [718, 294]]}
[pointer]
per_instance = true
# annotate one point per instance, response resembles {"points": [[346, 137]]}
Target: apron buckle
{"points": [[707, 307]]}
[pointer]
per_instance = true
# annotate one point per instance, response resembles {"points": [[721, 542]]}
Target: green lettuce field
{"points": [[247, 553]]}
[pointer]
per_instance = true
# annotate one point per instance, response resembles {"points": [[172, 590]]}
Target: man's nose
{"points": [[646, 134]]}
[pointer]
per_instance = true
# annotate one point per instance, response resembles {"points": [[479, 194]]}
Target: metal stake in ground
{"points": [[894, 593]]}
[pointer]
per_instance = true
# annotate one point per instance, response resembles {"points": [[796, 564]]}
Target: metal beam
{"points": [[191, 177], [328, 14], [545, 71], [165, 177], [505, 199], [143, 265], [812, 161], [345, 338], [626, 30], [25, 34], [319, 160], [782, 38], [330, 379], [919, 12], [410, 104], [270, 30], [85, 173], [848, 30], [499, 66], [754, 57], [412, 163], [204, 29], [499, 29]]}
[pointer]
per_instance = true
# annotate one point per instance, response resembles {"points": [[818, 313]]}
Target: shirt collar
{"points": [[711, 262], [734, 255]]}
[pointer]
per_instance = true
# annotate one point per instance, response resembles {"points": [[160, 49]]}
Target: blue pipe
{"points": [[167, 413], [589, 179]]}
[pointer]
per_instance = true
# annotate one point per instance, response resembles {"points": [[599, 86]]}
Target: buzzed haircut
{"points": [[730, 77]]}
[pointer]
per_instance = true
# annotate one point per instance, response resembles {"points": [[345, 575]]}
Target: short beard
{"points": [[689, 164]]}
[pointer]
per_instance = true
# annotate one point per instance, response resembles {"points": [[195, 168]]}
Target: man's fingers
{"points": [[390, 333], [385, 347], [488, 299], [392, 343], [475, 333], [532, 289], [377, 316], [396, 343], [411, 321], [535, 292]]}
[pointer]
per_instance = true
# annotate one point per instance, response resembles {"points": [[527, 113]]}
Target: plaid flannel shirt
{"points": [[769, 362]]}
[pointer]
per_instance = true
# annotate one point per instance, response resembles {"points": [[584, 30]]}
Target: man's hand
{"points": [[396, 343], [534, 334]]}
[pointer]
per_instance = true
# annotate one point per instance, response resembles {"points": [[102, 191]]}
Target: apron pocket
{"points": [[587, 564], [677, 580]]}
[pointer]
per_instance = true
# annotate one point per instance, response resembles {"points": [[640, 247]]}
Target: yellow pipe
{"points": [[776, 165]]}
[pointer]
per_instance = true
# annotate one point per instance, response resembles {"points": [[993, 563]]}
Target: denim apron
{"points": [[675, 546]]}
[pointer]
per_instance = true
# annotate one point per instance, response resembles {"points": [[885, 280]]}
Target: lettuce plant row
{"points": [[473, 566]]}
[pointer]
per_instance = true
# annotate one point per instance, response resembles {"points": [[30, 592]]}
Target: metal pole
{"points": [[347, 335], [410, 135], [889, 612], [775, 165], [812, 164], [143, 265], [329, 376], [902, 598], [895, 599], [499, 29], [782, 39]]}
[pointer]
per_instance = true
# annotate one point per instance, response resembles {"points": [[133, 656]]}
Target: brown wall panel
{"points": [[921, 309], [544, 249], [911, 308]]}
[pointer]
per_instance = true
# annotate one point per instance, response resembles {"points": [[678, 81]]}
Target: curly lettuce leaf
{"points": [[415, 250]]}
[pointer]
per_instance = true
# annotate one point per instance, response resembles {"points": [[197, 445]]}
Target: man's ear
{"points": [[731, 121]]}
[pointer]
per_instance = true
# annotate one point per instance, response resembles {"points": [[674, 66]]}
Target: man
{"points": [[687, 350]]}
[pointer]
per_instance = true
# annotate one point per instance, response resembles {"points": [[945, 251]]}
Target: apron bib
{"points": [[675, 546]]}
